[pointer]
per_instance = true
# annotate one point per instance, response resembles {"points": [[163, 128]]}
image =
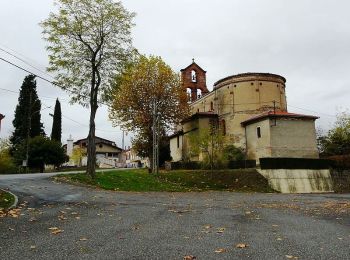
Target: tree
{"points": [[148, 87], [77, 155], [43, 151], [89, 42], [207, 145], [27, 121], [7, 164], [337, 140], [56, 132]]}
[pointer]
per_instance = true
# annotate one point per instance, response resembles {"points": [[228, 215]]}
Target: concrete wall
{"points": [[175, 150], [258, 147], [298, 181], [294, 138]]}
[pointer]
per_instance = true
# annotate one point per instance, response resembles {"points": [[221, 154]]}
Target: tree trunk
{"points": [[91, 148]]}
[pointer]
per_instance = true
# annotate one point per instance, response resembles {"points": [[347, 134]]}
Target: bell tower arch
{"points": [[193, 77]]}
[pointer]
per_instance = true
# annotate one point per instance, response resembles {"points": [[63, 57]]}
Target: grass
{"points": [[174, 181], [6, 199]]}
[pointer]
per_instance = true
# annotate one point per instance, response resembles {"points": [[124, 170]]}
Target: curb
{"points": [[16, 199]]}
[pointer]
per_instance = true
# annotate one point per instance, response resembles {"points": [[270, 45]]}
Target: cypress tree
{"points": [[56, 132], [27, 111]]}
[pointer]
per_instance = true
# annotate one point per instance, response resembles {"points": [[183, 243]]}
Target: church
{"points": [[251, 112]]}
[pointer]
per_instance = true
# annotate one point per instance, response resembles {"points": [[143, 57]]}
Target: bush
{"points": [[185, 165], [241, 164], [294, 163], [7, 165], [233, 153]]}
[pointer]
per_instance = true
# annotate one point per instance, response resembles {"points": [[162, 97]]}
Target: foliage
{"points": [[7, 165], [6, 200], [45, 151], [176, 181], [146, 83], [207, 145], [233, 153], [89, 42], [337, 140], [27, 110], [56, 133], [77, 155]]}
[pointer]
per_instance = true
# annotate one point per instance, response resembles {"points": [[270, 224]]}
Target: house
{"points": [[250, 111], [135, 161], [1, 118], [108, 154]]}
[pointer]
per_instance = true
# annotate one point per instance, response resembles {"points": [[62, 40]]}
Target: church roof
{"points": [[193, 64], [200, 115], [276, 114], [250, 74]]}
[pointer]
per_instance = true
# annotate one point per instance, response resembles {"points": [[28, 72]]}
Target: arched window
{"points": [[193, 76], [211, 106]]}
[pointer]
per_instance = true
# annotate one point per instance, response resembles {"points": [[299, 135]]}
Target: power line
{"points": [[49, 81], [24, 61]]}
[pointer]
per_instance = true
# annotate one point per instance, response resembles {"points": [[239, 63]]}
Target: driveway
{"points": [[61, 221]]}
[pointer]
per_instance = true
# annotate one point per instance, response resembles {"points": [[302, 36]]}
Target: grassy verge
{"points": [[6, 200], [175, 181]]}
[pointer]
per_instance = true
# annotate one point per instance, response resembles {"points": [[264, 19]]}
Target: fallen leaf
{"points": [[32, 247], [220, 230], [220, 250], [189, 257], [83, 239], [279, 239], [275, 225], [291, 257], [241, 245], [12, 229], [208, 226], [55, 230]]}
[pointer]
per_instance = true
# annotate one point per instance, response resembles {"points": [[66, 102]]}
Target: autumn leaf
{"points": [[220, 230], [189, 257], [241, 245], [55, 230], [220, 250], [83, 239]]}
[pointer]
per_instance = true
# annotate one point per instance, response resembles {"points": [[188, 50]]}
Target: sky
{"points": [[306, 41]]}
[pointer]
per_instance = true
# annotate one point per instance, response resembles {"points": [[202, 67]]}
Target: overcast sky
{"points": [[308, 42]]}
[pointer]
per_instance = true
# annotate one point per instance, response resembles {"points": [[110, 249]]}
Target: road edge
{"points": [[14, 204]]}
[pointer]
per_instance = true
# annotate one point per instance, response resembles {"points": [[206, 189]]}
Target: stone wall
{"points": [[299, 181]]}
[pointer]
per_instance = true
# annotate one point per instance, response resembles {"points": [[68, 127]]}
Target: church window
{"points": [[211, 106], [258, 132], [193, 76], [178, 141]]}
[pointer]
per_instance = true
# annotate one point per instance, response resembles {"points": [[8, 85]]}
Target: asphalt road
{"points": [[96, 224]]}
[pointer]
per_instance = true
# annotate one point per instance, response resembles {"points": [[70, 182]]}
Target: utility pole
{"points": [[155, 128]]}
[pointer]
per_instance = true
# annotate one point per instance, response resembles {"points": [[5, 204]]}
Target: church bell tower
{"points": [[193, 77]]}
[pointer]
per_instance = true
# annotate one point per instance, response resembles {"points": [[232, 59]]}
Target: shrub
{"points": [[294, 163]]}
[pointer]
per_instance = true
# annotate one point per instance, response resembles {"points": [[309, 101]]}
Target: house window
{"points": [[178, 141], [258, 132]]}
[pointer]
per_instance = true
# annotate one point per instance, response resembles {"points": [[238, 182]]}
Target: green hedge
{"points": [[242, 164], [185, 165], [294, 163]]}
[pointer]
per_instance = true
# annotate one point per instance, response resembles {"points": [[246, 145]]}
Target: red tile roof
{"points": [[276, 114]]}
